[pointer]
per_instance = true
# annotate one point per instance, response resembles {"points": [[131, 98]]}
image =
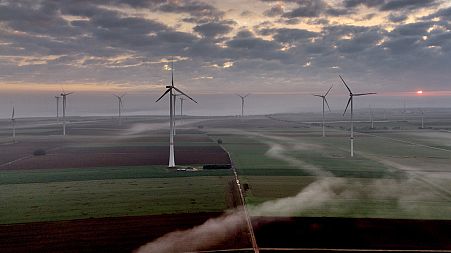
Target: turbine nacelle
{"points": [[170, 88], [324, 96], [351, 95]]}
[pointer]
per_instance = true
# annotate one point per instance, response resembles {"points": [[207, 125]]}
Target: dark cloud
{"points": [[409, 4], [214, 29], [397, 18], [285, 35], [444, 14], [412, 29], [307, 8], [390, 5], [368, 3], [88, 40], [196, 9], [276, 10]]}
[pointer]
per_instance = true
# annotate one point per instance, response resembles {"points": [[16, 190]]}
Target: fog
{"points": [[43, 104]]}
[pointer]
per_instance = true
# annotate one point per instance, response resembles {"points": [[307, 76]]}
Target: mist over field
{"points": [[43, 104]]}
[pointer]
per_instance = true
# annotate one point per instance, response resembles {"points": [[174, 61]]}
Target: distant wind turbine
{"points": [[170, 89], [242, 103], [404, 112], [372, 117], [351, 101], [120, 106], [64, 96], [57, 108], [324, 103], [422, 118], [181, 106], [13, 124], [174, 101]]}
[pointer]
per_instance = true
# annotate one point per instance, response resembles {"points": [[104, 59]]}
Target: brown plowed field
{"points": [[100, 235], [120, 156], [349, 233]]}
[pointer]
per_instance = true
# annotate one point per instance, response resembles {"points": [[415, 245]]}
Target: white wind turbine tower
{"points": [[57, 108], [351, 101], [324, 103], [64, 96], [13, 124], [170, 90], [372, 117], [174, 101], [422, 118], [242, 103], [181, 108], [120, 106]]}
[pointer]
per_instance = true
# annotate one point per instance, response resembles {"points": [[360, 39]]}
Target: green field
{"points": [[94, 192], [51, 201], [388, 178], [395, 174]]}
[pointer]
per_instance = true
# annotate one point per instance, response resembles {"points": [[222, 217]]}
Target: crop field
{"points": [[104, 171], [393, 175], [114, 179]]}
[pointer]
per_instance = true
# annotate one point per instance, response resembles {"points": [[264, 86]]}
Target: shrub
{"points": [[217, 166], [219, 141], [38, 152]]}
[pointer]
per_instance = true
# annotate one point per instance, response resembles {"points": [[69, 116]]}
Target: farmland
{"points": [[108, 175], [387, 179], [101, 171]]}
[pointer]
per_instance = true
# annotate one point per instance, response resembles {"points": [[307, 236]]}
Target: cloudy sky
{"points": [[393, 47]]}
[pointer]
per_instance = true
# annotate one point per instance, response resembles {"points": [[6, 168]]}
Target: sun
{"points": [[419, 92]]}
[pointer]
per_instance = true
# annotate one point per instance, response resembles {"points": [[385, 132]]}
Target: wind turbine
{"points": [[324, 103], [57, 108], [404, 112], [181, 106], [119, 99], [170, 90], [242, 103], [422, 118], [64, 95], [351, 101], [13, 124], [174, 101], [372, 117]]}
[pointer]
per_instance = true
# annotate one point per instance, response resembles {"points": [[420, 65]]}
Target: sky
{"points": [[272, 49]]}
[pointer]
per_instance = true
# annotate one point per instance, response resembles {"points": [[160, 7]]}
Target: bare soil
{"points": [[100, 235], [120, 156], [351, 233]]}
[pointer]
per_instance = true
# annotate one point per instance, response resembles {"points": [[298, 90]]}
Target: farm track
{"points": [[252, 237]]}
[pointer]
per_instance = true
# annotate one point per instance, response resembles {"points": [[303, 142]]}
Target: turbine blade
{"points": [[329, 90], [247, 95], [12, 115], [350, 92], [185, 95], [166, 92], [349, 101], [364, 94], [172, 71], [325, 100], [316, 95], [239, 95]]}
